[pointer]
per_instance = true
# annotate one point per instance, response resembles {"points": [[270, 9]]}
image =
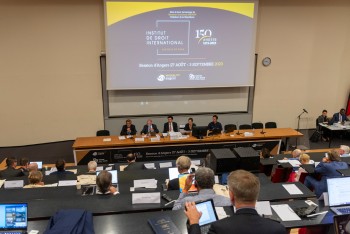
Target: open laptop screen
{"points": [[114, 176], [40, 164], [13, 216], [339, 191], [208, 212]]}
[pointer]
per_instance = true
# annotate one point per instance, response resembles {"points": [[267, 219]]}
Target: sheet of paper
{"points": [[67, 183], [13, 184], [51, 185], [316, 163], [107, 139], [145, 198], [75, 171], [165, 165], [150, 165], [145, 183], [220, 212], [48, 172], [155, 139], [285, 212], [196, 162], [121, 138], [132, 189], [139, 139], [108, 168], [263, 208], [216, 178], [100, 168], [2, 182], [292, 189]]}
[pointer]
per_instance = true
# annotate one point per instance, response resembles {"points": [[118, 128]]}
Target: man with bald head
{"points": [[33, 167]]}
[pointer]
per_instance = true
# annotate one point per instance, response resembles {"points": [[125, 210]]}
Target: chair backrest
{"points": [[230, 127], [270, 125], [102, 133], [278, 176], [302, 177], [245, 126], [257, 125]]}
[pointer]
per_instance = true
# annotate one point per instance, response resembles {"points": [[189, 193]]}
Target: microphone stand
{"points": [[238, 133], [296, 139], [262, 130]]}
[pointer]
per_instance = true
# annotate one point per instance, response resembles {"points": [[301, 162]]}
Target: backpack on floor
{"points": [[315, 137]]}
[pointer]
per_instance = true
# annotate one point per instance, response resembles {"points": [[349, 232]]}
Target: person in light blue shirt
{"points": [[204, 182], [344, 151]]}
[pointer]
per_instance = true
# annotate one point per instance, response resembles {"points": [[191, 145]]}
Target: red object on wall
{"points": [[348, 107]]}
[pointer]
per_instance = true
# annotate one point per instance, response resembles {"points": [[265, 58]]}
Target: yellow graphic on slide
{"points": [[117, 11]]}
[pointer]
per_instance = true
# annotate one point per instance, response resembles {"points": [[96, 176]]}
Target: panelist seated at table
{"points": [[339, 117], [104, 183], [344, 151], [35, 180], [132, 164], [61, 168], [215, 125], [189, 125], [11, 171], [128, 128], [244, 189], [204, 181], [327, 169], [149, 128], [170, 126], [183, 164]]}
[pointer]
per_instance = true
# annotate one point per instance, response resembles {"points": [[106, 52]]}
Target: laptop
{"points": [[342, 224], [339, 195], [40, 164], [114, 176], [209, 214], [13, 218]]}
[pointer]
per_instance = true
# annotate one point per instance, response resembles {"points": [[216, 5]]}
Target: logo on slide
{"points": [[161, 78]]}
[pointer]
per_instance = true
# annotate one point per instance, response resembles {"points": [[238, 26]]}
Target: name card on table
{"points": [[155, 139], [108, 168], [13, 184], [122, 138], [67, 183], [146, 183], [107, 139], [292, 189], [139, 139], [165, 165], [100, 168], [146, 198], [149, 166]]}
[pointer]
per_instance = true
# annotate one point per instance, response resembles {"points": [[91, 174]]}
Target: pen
{"points": [[312, 215], [169, 203]]}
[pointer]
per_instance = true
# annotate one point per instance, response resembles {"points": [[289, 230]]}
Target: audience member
{"points": [[23, 163], [104, 183], [170, 126], [33, 167], [265, 153], [189, 125], [339, 117], [61, 168], [244, 190], [328, 169], [35, 180], [149, 128], [128, 128], [183, 164], [92, 165], [204, 181], [11, 170], [304, 159], [344, 151], [295, 155], [215, 125], [132, 164]]}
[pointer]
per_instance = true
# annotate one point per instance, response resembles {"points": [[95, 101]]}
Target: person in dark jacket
{"points": [[244, 190], [133, 165], [11, 171], [61, 168]]}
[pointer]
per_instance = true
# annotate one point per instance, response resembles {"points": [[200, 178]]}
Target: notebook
{"points": [[40, 164], [13, 218], [342, 224], [114, 176], [339, 195], [209, 214]]}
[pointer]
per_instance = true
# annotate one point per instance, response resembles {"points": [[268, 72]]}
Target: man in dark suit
{"points": [[243, 189], [61, 168], [170, 126], [11, 170], [183, 164], [339, 117], [128, 129], [133, 165], [149, 128]]}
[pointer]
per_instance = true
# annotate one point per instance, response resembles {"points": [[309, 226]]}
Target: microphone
{"points": [[305, 111]]}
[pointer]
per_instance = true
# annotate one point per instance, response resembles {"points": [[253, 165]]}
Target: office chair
{"points": [[270, 125], [102, 133], [257, 125], [245, 126], [230, 127]]}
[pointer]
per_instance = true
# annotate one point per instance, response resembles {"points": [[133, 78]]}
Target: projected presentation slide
{"points": [[153, 45]]}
